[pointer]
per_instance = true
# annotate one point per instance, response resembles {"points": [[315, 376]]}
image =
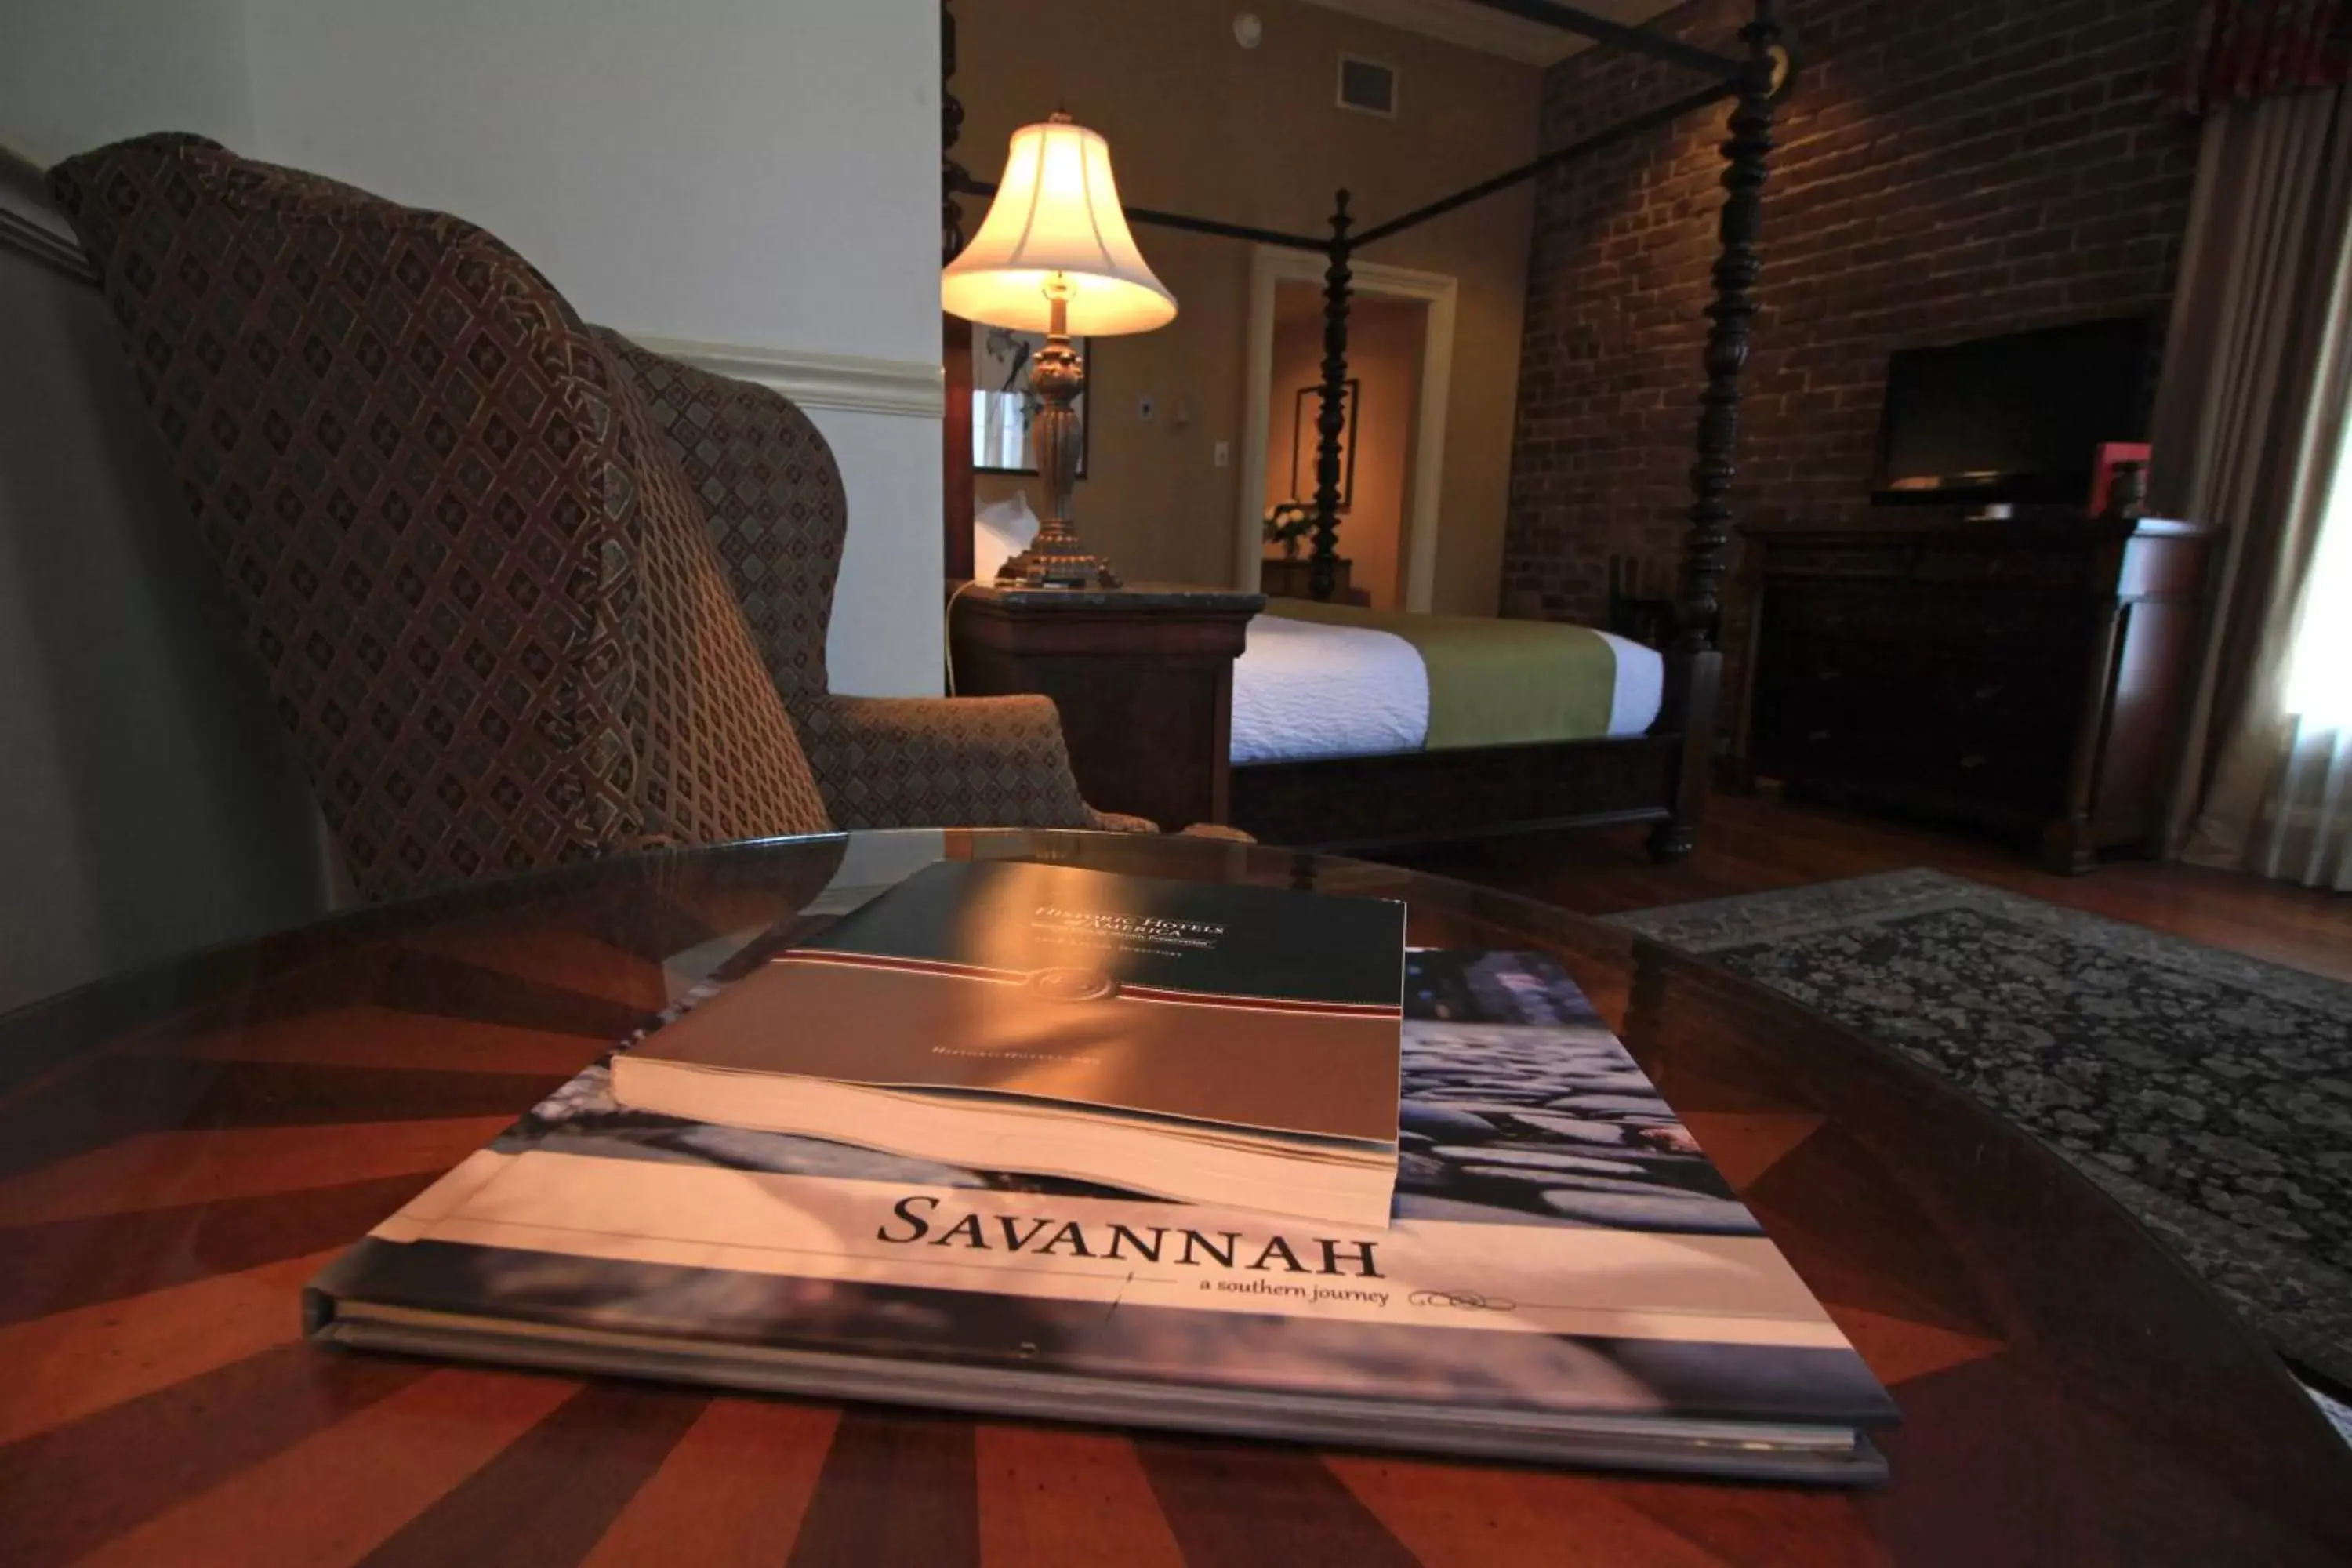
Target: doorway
{"points": [[1399, 359]]}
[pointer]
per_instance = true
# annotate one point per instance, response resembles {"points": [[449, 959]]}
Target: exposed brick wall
{"points": [[1944, 171]]}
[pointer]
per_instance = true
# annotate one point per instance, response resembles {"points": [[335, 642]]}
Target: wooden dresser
{"points": [[1143, 677], [2028, 674]]}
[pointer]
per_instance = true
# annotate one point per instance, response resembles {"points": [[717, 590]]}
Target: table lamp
{"points": [[1054, 256]]}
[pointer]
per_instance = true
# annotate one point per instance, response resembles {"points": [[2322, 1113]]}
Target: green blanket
{"points": [[1494, 683]]}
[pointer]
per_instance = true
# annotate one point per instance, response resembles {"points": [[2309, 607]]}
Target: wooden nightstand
{"points": [[1143, 677]]}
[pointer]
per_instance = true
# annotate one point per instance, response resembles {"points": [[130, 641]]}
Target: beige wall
{"points": [[1384, 340], [1199, 125]]}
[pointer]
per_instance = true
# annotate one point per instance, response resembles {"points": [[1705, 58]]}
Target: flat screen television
{"points": [[2014, 418]]}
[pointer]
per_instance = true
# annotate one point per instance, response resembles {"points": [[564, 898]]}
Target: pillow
{"points": [[1001, 531]]}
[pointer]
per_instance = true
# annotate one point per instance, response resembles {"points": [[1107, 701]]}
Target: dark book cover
{"points": [[1252, 1008]]}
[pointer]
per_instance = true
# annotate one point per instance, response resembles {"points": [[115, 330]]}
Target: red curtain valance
{"points": [[2253, 49]]}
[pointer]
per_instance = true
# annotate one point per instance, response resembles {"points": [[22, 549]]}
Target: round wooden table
{"points": [[181, 1148]]}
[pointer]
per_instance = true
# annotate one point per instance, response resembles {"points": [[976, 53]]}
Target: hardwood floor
{"points": [[1754, 843]]}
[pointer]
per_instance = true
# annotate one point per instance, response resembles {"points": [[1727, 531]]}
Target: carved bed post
{"points": [[1695, 665], [955, 333], [952, 173], [1331, 416]]}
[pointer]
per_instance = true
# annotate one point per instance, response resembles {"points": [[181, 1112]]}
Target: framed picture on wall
{"points": [[1002, 406], [1303, 438]]}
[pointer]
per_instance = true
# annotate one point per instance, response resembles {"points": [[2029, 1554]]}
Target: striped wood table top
{"points": [[181, 1148]]}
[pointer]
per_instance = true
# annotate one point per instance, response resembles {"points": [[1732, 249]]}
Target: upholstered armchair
{"points": [[490, 557], [772, 503]]}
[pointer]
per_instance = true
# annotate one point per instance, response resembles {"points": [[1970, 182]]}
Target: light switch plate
{"points": [[1145, 408]]}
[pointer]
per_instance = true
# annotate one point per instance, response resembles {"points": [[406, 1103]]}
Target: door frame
{"points": [[1272, 265]]}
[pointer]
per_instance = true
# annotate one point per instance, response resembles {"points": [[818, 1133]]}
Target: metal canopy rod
{"points": [[1601, 30], [1665, 114], [1193, 225], [1650, 119]]}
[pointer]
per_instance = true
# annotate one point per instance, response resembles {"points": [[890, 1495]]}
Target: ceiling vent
{"points": [[1368, 85]]}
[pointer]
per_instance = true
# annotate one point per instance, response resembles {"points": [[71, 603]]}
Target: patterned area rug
{"points": [[2211, 1093]]}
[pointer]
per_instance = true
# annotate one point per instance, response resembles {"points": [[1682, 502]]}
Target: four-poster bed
{"points": [[1658, 776]]}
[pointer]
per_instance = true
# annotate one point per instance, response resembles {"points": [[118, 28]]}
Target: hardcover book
{"points": [[1225, 1044], [1566, 1279]]}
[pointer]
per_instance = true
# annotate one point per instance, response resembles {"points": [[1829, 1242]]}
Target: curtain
{"points": [[2308, 836], [2242, 49], [2307, 828], [2249, 423]]}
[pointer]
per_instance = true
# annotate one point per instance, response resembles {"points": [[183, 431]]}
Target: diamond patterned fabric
{"points": [[769, 497], [981, 761], [771, 502], [477, 579]]}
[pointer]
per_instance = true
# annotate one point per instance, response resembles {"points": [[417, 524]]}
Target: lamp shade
{"points": [[1056, 211]]}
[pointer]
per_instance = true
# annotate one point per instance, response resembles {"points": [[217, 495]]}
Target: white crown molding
{"points": [[911, 388], [31, 224]]}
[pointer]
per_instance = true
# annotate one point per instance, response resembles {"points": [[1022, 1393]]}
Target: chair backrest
{"points": [[475, 572], [770, 497]]}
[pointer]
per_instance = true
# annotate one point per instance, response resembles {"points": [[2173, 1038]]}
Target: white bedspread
{"points": [[1304, 690], [1641, 686]]}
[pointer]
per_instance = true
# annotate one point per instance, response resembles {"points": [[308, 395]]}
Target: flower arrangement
{"points": [[1287, 522]]}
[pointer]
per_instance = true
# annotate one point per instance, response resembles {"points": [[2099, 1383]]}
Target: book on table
{"points": [[1227, 1045], [1564, 1277]]}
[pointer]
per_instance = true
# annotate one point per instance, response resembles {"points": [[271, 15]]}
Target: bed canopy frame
{"points": [[1660, 777]]}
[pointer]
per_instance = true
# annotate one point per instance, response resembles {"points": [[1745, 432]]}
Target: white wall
{"points": [[76, 74], [761, 174], [755, 174], [150, 800], [735, 171]]}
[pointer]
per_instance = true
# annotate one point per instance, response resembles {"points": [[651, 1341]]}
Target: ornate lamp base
{"points": [[1057, 568], [1055, 557]]}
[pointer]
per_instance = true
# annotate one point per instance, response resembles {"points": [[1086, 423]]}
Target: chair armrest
{"points": [[946, 762]]}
